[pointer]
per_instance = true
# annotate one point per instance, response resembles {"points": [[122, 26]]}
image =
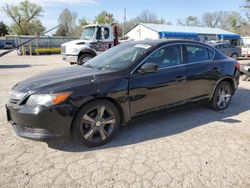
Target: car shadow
{"points": [[162, 124]]}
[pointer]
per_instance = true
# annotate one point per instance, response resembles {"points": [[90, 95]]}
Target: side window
{"points": [[211, 54], [226, 46], [106, 33], [195, 53], [99, 33], [166, 57], [219, 46]]}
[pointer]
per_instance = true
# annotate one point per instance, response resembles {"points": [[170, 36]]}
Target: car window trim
{"points": [[203, 47], [146, 58], [182, 58]]}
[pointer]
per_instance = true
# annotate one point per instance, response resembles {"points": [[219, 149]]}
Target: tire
{"points": [[96, 123], [222, 96], [84, 58], [235, 56]]}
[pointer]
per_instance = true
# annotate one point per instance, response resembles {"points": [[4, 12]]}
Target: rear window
{"points": [[197, 53]]}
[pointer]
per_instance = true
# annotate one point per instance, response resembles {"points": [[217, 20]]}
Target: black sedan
{"points": [[93, 100]]}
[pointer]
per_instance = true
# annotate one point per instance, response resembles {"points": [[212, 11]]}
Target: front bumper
{"points": [[70, 58], [40, 123]]}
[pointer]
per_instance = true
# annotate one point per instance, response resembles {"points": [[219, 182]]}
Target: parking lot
{"points": [[194, 147]]}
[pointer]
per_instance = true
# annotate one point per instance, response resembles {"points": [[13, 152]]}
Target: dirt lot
{"points": [[195, 147]]}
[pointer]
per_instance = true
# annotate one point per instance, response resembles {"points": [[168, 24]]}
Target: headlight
{"points": [[47, 99]]}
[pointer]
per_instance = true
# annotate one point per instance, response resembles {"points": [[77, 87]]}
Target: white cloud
{"points": [[51, 2]]}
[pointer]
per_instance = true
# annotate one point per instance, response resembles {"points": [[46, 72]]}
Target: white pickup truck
{"points": [[94, 39]]}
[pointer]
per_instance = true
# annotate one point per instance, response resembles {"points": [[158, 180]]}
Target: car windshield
{"points": [[119, 57], [87, 33]]}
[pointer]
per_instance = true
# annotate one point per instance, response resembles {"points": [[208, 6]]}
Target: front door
{"points": [[163, 88], [104, 39]]}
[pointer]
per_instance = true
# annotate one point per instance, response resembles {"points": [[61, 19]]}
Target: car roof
{"points": [[160, 42]]}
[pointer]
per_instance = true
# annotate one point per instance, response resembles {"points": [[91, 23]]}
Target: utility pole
{"points": [[124, 22]]}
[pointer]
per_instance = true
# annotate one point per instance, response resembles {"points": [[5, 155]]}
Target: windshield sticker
{"points": [[145, 46]]}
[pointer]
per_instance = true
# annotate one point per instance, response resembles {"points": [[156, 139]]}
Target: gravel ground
{"points": [[195, 147]]}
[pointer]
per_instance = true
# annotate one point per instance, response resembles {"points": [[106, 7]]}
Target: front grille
{"points": [[63, 49]]}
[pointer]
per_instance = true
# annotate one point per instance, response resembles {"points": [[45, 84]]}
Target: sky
{"points": [[170, 10]]}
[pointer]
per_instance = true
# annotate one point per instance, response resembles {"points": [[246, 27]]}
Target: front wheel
{"points": [[84, 58], [96, 123], [222, 96]]}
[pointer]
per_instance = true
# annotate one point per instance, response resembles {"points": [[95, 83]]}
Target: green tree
{"points": [[25, 18], [3, 29], [104, 17], [82, 22]]}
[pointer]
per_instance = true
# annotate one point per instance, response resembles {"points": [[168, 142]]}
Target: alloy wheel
{"points": [[85, 59], [223, 97], [97, 124]]}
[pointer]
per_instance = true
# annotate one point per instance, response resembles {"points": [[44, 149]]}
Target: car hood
{"points": [[59, 79], [74, 42]]}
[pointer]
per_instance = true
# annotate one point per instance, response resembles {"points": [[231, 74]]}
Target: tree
{"points": [[67, 21], [82, 22], [145, 16], [228, 20], [212, 19], [246, 8], [78, 30], [189, 21], [104, 17], [3, 29], [25, 18]]}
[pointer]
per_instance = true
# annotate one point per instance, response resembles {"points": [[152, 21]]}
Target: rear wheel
{"points": [[96, 123], [222, 96], [235, 56], [84, 58]]}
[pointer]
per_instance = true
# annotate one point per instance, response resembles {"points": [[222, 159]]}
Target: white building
{"points": [[245, 41], [144, 31]]}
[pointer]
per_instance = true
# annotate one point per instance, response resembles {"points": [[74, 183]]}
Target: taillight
{"points": [[237, 65]]}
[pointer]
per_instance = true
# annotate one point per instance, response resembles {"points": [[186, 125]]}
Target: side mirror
{"points": [[148, 68]]}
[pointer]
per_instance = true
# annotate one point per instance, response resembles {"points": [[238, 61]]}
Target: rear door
{"points": [[201, 71], [228, 50], [163, 88]]}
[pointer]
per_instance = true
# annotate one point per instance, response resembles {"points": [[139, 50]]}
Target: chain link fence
{"points": [[40, 45]]}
